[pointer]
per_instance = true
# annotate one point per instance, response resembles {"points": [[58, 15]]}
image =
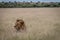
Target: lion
{"points": [[20, 25]]}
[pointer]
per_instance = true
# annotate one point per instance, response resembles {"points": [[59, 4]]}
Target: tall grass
{"points": [[40, 26]]}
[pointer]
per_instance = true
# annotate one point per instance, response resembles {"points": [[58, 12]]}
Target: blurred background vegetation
{"points": [[28, 4]]}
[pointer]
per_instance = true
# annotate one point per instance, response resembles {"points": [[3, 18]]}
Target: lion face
{"points": [[19, 25]]}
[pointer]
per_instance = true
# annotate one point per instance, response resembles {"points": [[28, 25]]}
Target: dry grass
{"points": [[41, 23]]}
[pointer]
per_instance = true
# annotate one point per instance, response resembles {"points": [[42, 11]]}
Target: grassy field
{"points": [[41, 23]]}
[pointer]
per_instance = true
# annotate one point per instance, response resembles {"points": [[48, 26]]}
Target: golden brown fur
{"points": [[19, 25]]}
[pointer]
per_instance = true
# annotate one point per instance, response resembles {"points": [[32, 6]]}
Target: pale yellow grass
{"points": [[41, 23]]}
